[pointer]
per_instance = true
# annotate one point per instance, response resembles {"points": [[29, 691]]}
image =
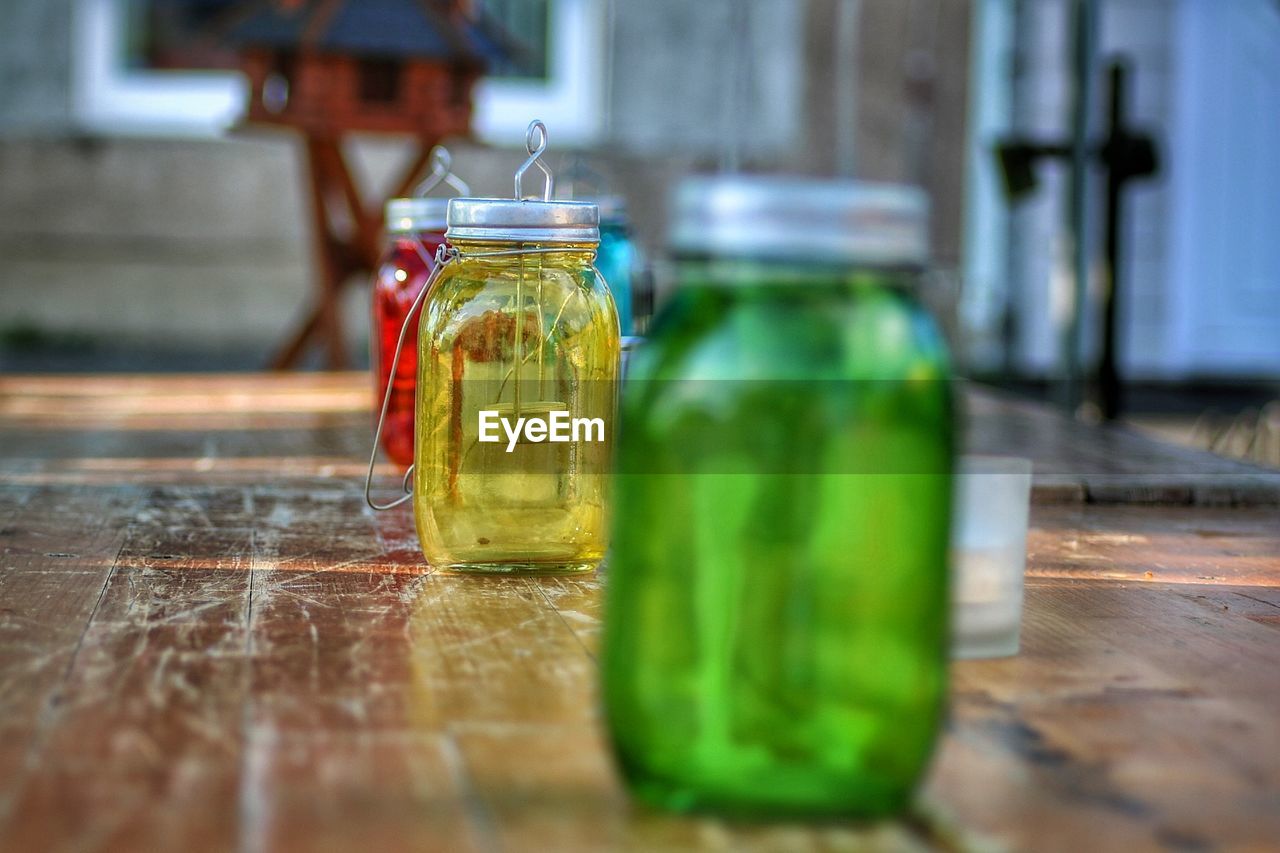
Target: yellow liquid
{"points": [[523, 336]]}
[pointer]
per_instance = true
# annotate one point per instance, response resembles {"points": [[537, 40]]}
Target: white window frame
{"points": [[110, 97], [570, 101], [114, 99], [985, 297]]}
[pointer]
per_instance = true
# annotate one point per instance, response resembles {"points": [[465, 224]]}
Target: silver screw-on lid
{"points": [[787, 218], [526, 221], [407, 215], [613, 208]]}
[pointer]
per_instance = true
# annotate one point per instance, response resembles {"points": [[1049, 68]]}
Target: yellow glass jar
{"points": [[518, 363]]}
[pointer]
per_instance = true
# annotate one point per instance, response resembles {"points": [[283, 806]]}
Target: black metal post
{"points": [[1108, 370], [1084, 29]]}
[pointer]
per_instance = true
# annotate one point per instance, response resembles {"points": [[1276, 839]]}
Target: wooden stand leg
{"points": [[323, 318], [326, 161], [337, 258]]}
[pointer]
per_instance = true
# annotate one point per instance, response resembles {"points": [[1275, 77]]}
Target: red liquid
{"points": [[399, 279]]}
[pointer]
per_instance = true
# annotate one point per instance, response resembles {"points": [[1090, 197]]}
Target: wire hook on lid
{"points": [[537, 130], [442, 173]]}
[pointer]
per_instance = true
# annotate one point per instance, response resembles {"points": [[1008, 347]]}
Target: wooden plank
{"points": [[266, 415], [1196, 546], [354, 790], [554, 788], [184, 430], [543, 787], [144, 750], [1141, 714], [362, 663], [330, 636], [339, 753], [207, 641], [127, 401], [579, 603], [491, 650], [57, 548], [1109, 464], [301, 473]]}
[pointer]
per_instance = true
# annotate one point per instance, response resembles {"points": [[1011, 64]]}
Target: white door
{"points": [[1224, 164]]}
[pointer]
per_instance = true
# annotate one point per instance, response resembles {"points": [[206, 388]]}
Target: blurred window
{"points": [[527, 22], [119, 90], [557, 75], [149, 66]]}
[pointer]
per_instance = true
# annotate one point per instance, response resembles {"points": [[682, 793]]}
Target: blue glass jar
{"points": [[617, 258]]}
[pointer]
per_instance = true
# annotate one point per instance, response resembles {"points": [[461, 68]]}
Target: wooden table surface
{"points": [[207, 642]]}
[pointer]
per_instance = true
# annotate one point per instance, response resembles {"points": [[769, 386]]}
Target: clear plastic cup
{"points": [[988, 555]]}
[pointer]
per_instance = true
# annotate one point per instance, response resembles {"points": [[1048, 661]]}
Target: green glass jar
{"points": [[518, 362], [775, 635]]}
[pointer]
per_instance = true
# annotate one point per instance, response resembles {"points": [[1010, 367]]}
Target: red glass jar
{"points": [[415, 230]]}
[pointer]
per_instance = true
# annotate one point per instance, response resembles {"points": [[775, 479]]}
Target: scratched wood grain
{"points": [[154, 696], [57, 549], [207, 642]]}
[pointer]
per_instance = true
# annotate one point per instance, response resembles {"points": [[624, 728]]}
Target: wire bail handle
{"points": [[442, 259], [442, 173], [537, 130]]}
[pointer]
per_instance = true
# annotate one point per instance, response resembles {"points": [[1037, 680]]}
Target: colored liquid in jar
{"points": [[400, 278], [524, 337]]}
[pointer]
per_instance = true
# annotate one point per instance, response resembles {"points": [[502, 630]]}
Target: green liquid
{"points": [[776, 614]]}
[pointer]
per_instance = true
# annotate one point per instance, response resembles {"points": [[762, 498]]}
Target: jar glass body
{"points": [[775, 633], [532, 336], [617, 262], [404, 269]]}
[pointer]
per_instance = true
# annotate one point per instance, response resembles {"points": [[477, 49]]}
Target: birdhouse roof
{"points": [[428, 29]]}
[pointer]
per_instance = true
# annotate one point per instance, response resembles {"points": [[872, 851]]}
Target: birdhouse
{"points": [[329, 67], [394, 66]]}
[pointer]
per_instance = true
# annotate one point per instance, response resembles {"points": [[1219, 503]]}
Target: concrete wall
{"points": [[35, 65], [913, 103], [688, 76], [159, 241]]}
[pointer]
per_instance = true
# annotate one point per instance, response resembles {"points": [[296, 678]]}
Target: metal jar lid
{"points": [[613, 208], [786, 218], [410, 215], [504, 220]]}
